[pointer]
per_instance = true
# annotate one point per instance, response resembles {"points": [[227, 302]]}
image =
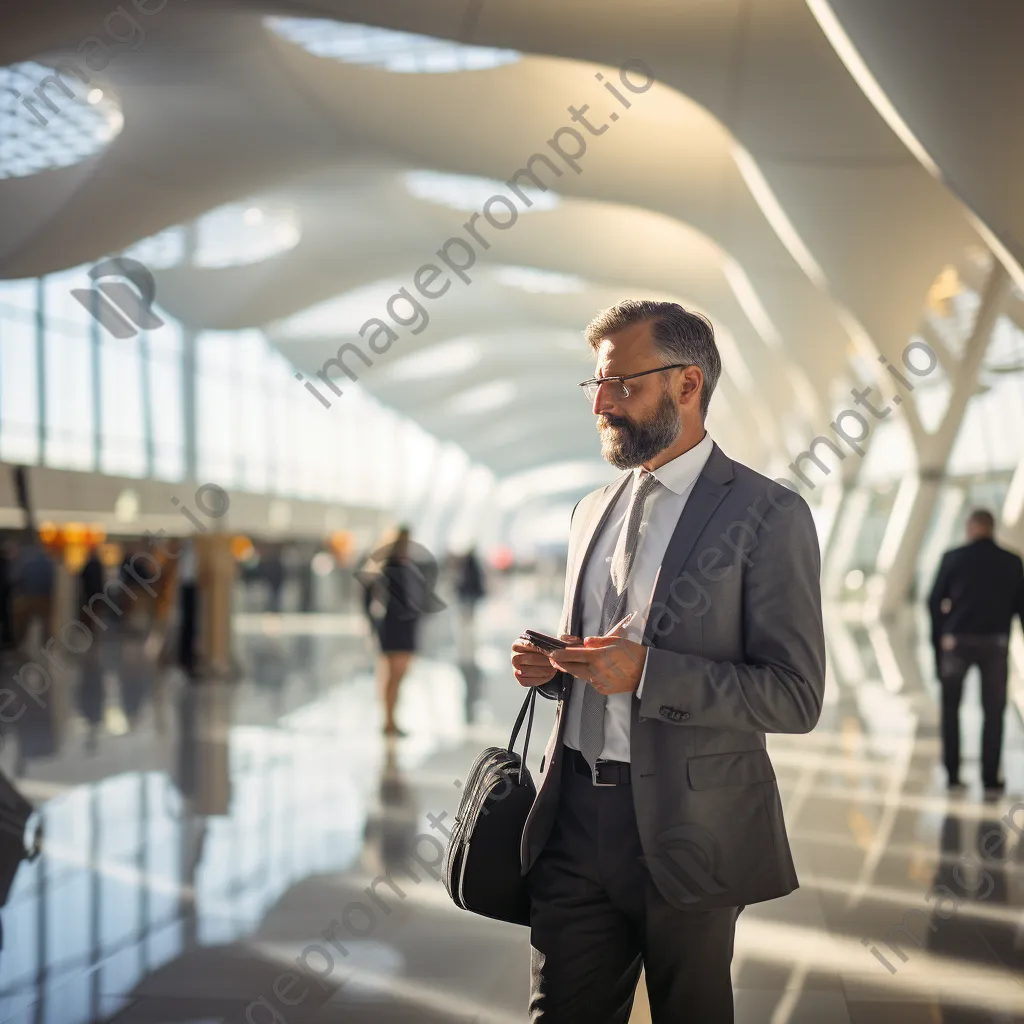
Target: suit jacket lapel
{"points": [[711, 487], [601, 511]]}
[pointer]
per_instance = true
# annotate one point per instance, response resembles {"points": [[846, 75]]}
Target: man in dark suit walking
{"points": [[978, 590], [694, 583]]}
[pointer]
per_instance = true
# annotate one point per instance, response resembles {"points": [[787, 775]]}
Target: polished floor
{"points": [[200, 840]]}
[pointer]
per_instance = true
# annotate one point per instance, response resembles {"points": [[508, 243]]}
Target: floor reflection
{"points": [[974, 876], [391, 824], [206, 841], [472, 677]]}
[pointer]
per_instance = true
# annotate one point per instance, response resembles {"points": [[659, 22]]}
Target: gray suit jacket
{"points": [[736, 651]]}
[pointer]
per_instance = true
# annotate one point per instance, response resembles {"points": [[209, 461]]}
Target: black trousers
{"points": [[597, 918], [989, 653]]}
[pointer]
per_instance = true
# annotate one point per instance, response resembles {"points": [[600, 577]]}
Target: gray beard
{"points": [[632, 443]]}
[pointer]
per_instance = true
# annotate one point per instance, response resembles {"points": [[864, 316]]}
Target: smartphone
{"points": [[543, 641]]}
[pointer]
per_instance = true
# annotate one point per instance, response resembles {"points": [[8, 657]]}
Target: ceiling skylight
{"points": [[229, 236], [546, 282], [466, 192], [344, 314], [450, 357], [164, 249], [50, 119], [244, 233], [484, 398], [402, 52]]}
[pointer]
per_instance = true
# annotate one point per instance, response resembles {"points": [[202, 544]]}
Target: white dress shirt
{"points": [[664, 507]]}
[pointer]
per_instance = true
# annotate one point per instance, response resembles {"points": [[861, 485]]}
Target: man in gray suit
{"points": [[694, 583]]}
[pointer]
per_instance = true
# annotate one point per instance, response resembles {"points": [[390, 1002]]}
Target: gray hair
{"points": [[679, 337]]}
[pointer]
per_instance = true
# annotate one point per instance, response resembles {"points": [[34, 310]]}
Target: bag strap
{"points": [[528, 705]]}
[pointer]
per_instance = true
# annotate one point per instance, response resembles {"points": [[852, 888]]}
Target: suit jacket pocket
{"points": [[739, 768]]}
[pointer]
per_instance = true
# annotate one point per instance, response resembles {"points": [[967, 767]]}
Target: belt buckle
{"points": [[593, 775]]}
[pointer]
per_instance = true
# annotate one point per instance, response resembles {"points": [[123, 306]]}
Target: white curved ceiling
{"points": [[754, 181], [952, 74]]}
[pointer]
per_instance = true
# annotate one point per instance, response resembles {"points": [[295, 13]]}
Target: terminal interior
{"points": [[276, 278]]}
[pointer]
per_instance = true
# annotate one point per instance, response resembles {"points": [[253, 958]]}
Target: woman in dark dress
{"points": [[396, 585]]}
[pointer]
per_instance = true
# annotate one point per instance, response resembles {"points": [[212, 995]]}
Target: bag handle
{"points": [[528, 705]]}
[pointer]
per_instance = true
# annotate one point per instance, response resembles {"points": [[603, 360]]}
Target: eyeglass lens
{"points": [[617, 389]]}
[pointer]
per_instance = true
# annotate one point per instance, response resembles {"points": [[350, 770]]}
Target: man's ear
{"points": [[692, 383]]}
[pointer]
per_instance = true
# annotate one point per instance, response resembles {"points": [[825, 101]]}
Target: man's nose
{"points": [[604, 401]]}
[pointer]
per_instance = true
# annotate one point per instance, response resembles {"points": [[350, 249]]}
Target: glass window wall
{"points": [[95, 402]]}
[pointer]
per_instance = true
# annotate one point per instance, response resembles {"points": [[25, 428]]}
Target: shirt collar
{"points": [[681, 473]]}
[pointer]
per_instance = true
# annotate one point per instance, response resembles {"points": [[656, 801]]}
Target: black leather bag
{"points": [[483, 868]]}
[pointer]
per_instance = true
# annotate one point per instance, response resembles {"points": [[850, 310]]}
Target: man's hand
{"points": [[611, 664], [531, 664]]}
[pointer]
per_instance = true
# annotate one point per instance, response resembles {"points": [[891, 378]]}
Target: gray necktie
{"points": [[612, 610]]}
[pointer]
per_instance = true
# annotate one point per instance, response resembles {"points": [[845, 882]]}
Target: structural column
{"points": [[188, 368], [188, 402], [915, 500], [42, 425]]}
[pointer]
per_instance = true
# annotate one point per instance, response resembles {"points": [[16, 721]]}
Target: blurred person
{"points": [[977, 591], [188, 606], [395, 594], [91, 580], [695, 589], [366, 572], [272, 569], [470, 588], [307, 602], [470, 581], [92, 576], [33, 580]]}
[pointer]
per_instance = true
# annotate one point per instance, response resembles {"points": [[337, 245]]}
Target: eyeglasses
{"points": [[590, 386]]}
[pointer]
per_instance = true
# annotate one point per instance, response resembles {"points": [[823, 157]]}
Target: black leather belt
{"points": [[606, 773], [982, 639]]}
